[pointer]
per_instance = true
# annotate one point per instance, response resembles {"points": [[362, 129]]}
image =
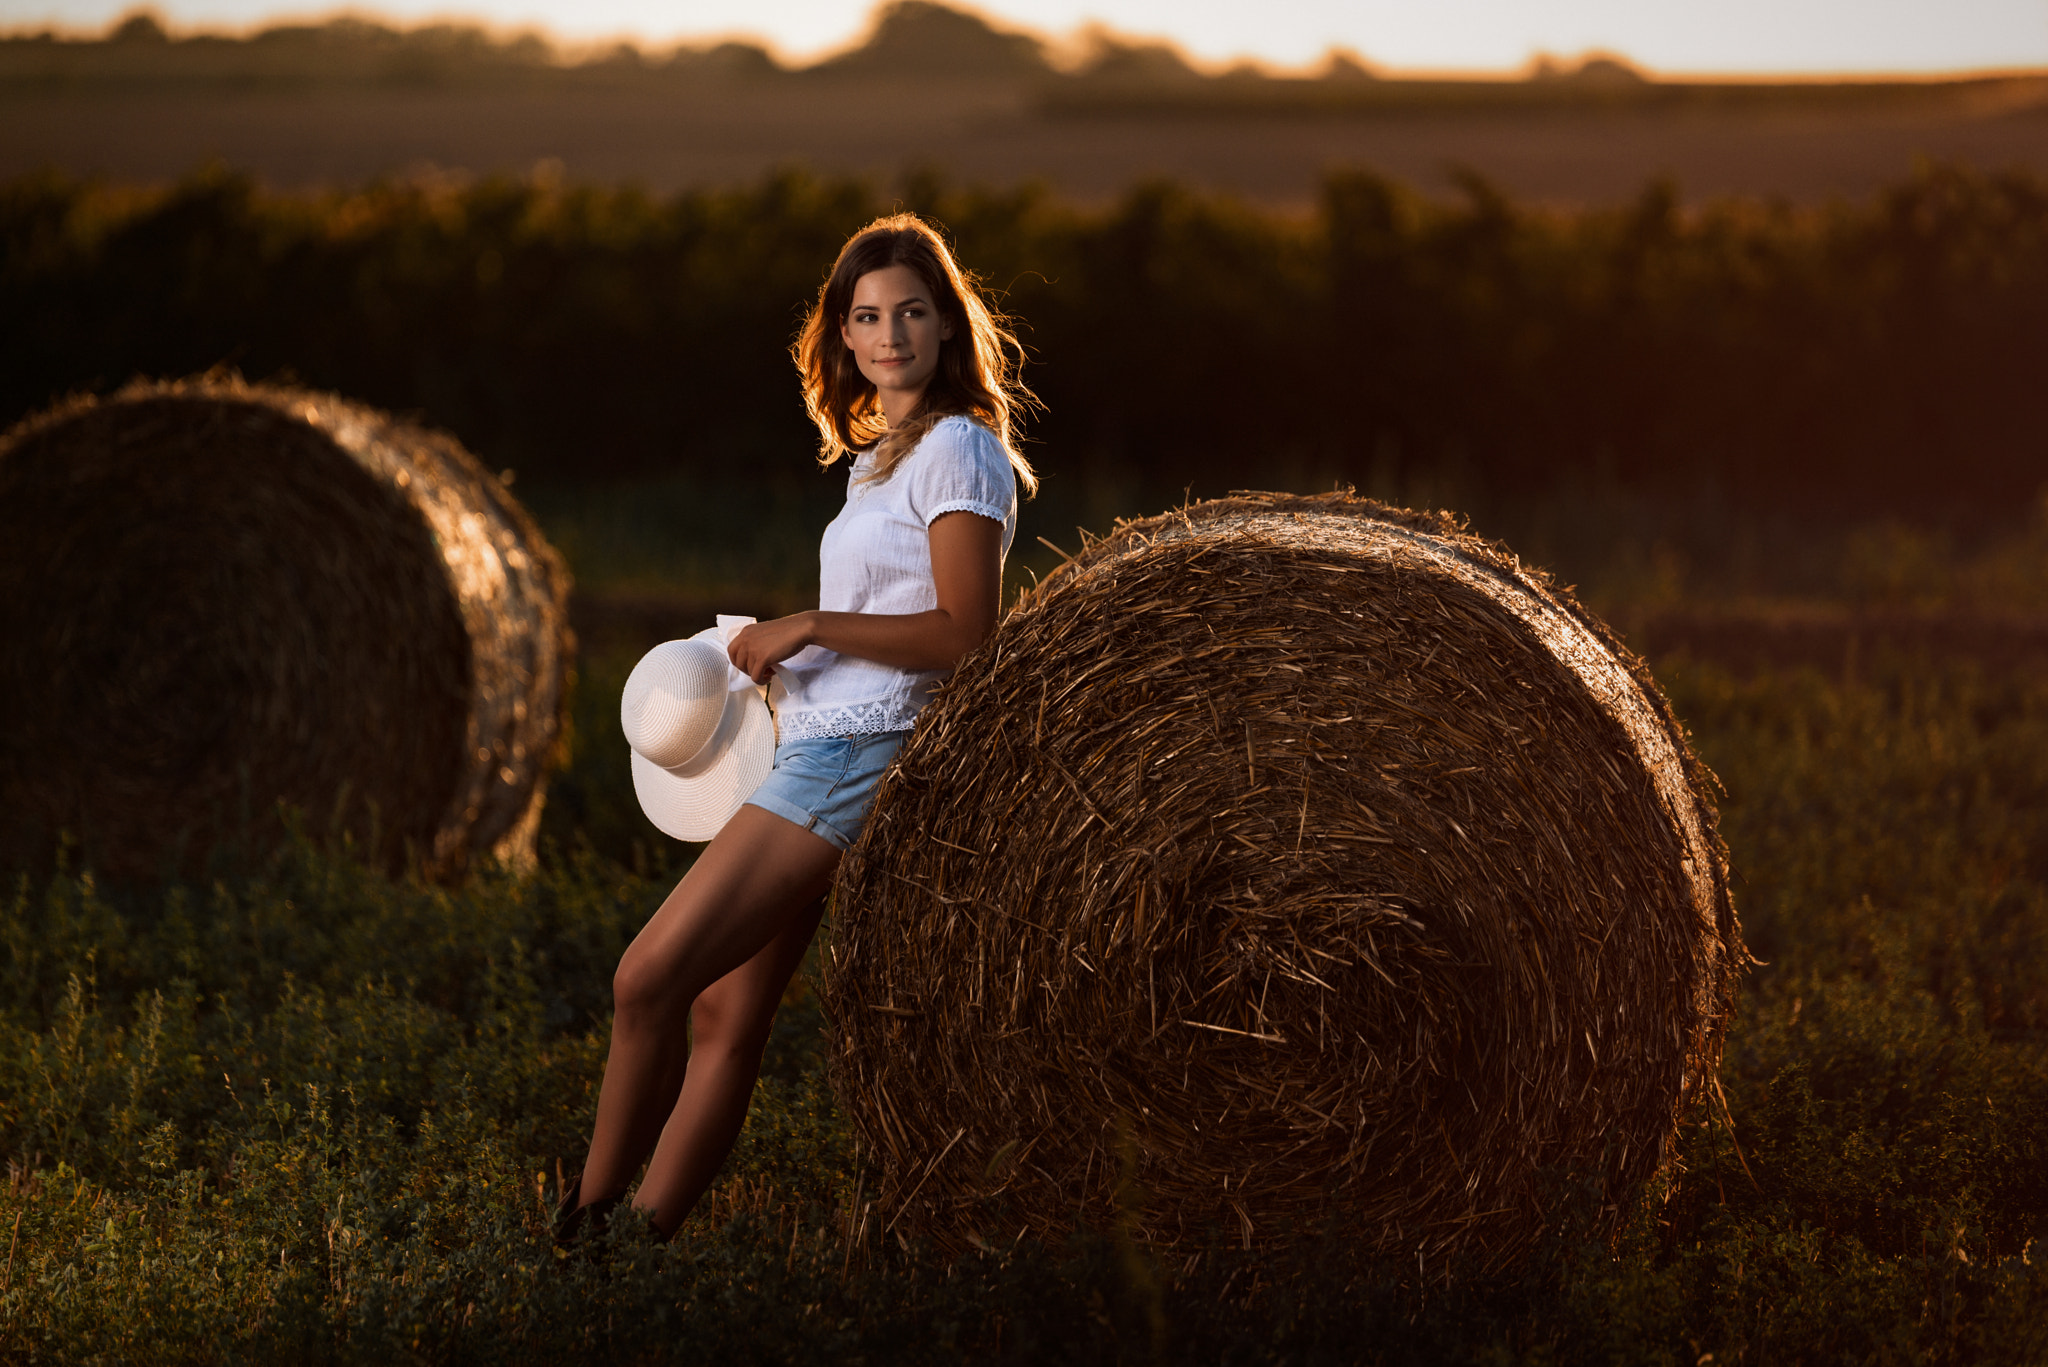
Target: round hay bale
{"points": [[1283, 865], [218, 597]]}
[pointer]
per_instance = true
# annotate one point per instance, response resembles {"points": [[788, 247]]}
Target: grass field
{"points": [[304, 1110]]}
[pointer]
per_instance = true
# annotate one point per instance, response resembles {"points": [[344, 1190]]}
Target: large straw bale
{"points": [[1279, 865], [218, 597]]}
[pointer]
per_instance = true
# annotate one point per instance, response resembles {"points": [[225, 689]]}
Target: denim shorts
{"points": [[826, 785]]}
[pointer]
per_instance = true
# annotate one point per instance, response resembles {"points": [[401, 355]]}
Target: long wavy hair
{"points": [[978, 367]]}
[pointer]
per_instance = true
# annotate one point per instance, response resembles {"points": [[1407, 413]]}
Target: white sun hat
{"points": [[702, 737]]}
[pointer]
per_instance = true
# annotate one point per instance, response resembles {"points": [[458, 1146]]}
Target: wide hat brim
{"points": [[696, 806]]}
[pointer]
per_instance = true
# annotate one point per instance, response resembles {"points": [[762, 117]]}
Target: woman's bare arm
{"points": [[966, 550]]}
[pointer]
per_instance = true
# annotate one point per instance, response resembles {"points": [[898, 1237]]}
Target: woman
{"points": [[907, 372]]}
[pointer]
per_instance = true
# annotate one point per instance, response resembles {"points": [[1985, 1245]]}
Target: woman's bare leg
{"points": [[729, 1029], [758, 879]]}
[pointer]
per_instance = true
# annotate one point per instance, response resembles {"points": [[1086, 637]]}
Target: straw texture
{"points": [[1279, 863], [218, 596]]}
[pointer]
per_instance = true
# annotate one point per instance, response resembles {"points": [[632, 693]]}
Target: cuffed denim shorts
{"points": [[826, 785]]}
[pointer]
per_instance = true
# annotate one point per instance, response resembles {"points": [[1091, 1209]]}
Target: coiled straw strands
{"points": [[218, 596], [1283, 865]]}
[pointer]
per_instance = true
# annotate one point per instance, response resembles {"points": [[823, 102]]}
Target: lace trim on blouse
{"points": [[853, 719], [964, 505]]}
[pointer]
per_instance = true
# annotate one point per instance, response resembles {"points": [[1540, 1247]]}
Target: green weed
{"points": [[310, 1111]]}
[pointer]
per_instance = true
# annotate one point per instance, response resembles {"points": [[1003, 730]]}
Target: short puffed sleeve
{"points": [[961, 467]]}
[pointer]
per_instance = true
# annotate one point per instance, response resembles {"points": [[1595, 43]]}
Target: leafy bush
{"points": [[311, 1111], [1863, 358]]}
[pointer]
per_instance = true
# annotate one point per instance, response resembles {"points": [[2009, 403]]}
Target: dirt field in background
{"points": [[988, 132]]}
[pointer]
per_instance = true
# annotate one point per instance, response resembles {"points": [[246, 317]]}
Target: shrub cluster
{"points": [[1870, 357], [308, 1110]]}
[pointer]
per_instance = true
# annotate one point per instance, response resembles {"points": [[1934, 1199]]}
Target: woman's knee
{"points": [[642, 990], [728, 1023]]}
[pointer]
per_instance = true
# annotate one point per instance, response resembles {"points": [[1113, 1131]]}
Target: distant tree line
{"points": [[915, 36], [1099, 72], [1882, 357]]}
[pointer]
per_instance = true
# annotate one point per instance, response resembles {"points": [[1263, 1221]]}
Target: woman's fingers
{"points": [[757, 649], [740, 651], [747, 654]]}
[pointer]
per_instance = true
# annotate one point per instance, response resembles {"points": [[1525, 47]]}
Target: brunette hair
{"points": [[977, 375]]}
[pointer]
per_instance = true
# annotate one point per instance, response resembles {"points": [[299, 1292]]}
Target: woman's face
{"points": [[894, 330]]}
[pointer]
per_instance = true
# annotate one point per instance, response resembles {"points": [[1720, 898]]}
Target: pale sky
{"points": [[1741, 37]]}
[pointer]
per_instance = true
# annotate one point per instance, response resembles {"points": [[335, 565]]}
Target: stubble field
{"points": [[688, 137]]}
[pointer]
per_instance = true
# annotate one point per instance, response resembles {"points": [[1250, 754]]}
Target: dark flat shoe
{"points": [[577, 1223]]}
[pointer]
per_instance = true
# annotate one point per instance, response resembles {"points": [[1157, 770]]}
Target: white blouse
{"points": [[876, 557]]}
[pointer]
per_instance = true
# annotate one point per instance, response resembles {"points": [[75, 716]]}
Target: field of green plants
{"points": [[300, 1109], [305, 1109]]}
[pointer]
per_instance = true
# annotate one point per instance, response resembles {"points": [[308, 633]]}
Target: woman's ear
{"points": [[945, 328]]}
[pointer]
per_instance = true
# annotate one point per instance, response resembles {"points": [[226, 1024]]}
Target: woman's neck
{"points": [[900, 406]]}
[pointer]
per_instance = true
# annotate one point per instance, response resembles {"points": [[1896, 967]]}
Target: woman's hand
{"points": [[756, 650]]}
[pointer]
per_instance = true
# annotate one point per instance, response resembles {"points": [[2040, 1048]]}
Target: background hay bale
{"points": [[216, 596], [1281, 862]]}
